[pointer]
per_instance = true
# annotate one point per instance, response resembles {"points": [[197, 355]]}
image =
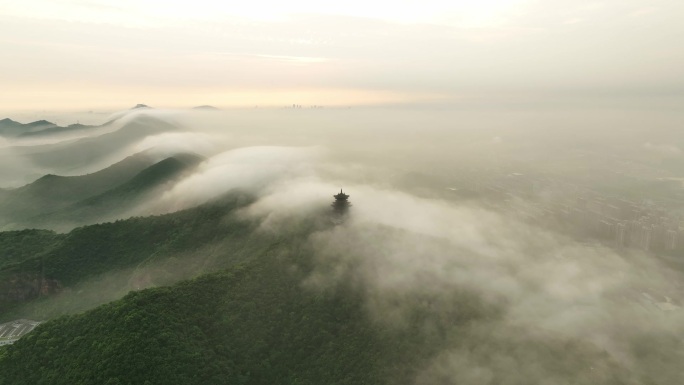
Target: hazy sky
{"points": [[96, 54]]}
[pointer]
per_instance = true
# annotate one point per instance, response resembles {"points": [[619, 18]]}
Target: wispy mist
{"points": [[443, 239]]}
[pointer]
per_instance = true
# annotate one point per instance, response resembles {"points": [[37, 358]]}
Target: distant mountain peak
{"points": [[206, 107], [41, 123], [77, 125], [140, 106], [11, 128]]}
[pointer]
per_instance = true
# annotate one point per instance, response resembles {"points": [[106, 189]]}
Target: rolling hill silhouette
{"points": [[52, 192], [11, 128], [57, 130], [118, 201]]}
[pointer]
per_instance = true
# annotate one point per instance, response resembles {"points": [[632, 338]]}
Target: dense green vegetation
{"points": [[245, 316], [19, 246], [112, 203], [254, 324], [53, 192], [160, 249]]}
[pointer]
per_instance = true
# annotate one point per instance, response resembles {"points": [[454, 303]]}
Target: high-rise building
{"points": [[620, 235], [646, 236], [670, 240]]}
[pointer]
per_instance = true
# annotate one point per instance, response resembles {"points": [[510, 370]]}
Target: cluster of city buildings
{"points": [[616, 220], [625, 223]]}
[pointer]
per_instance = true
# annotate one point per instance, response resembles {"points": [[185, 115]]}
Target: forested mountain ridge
{"points": [[122, 199], [57, 202], [253, 324], [424, 271], [258, 323], [143, 250], [52, 192]]}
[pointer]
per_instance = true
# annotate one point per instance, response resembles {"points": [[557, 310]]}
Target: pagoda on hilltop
{"points": [[341, 204]]}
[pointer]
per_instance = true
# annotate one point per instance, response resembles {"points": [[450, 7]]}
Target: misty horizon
{"points": [[175, 55], [172, 178]]}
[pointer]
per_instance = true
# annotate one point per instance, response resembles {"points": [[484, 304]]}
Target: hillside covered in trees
{"points": [[256, 319], [44, 274], [255, 323], [287, 247]]}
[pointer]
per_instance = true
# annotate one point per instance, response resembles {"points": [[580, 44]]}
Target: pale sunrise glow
{"points": [[150, 12], [306, 192], [408, 51], [34, 98]]}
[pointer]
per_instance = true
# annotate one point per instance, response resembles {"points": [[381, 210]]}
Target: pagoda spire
{"points": [[341, 204]]}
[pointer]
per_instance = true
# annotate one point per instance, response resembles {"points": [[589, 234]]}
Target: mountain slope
{"points": [[255, 323], [116, 202], [261, 320], [19, 246], [251, 325], [57, 130], [70, 156], [11, 128], [52, 192], [137, 252]]}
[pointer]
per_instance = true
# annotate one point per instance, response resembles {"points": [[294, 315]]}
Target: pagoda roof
{"points": [[341, 195]]}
